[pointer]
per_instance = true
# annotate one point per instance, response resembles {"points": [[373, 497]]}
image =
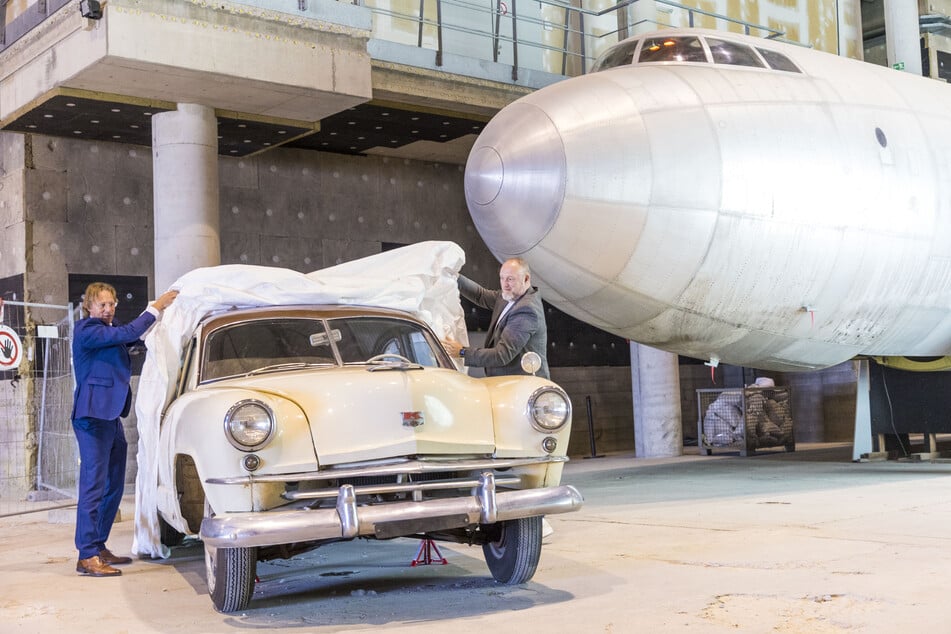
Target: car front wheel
{"points": [[230, 574], [514, 556]]}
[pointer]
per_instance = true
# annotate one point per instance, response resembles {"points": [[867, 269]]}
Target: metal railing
{"points": [[581, 39], [546, 35], [18, 25]]}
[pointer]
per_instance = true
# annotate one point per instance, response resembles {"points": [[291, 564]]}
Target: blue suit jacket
{"points": [[103, 367]]}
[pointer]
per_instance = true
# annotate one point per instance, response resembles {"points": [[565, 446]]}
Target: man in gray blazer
{"points": [[517, 326]]}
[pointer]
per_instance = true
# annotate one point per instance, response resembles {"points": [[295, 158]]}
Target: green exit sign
{"points": [[899, 65]]}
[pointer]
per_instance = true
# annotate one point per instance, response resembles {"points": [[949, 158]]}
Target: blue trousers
{"points": [[102, 454]]}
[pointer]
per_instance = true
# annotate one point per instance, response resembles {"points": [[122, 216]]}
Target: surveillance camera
{"points": [[91, 9]]}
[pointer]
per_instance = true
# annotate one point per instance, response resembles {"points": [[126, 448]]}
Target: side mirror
{"points": [[531, 362]]}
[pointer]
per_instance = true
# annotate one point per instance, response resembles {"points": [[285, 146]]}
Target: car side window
{"points": [[185, 369], [422, 350]]}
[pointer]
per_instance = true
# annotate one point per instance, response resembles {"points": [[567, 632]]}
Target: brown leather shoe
{"points": [[113, 560], [96, 567]]}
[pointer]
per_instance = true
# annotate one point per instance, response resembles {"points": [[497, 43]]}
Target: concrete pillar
{"points": [[643, 17], [185, 183], [902, 35], [862, 442], [658, 424]]}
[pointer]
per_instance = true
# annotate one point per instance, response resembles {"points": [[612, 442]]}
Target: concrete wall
{"points": [[89, 209], [824, 402], [308, 210], [612, 409]]}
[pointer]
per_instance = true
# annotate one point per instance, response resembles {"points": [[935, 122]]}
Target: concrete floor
{"points": [[802, 542]]}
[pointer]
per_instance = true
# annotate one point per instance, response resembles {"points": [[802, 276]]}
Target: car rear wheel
{"points": [[230, 574], [513, 558]]}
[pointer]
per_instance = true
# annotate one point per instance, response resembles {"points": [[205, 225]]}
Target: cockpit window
{"points": [[732, 53], [672, 49], [620, 55], [690, 49], [778, 61]]}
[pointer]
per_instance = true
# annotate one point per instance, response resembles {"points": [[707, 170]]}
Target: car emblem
{"points": [[412, 419]]}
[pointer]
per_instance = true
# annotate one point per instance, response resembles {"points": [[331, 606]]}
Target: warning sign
{"points": [[11, 350]]}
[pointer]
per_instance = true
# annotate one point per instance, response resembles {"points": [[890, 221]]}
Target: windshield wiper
{"points": [[294, 365], [391, 361]]}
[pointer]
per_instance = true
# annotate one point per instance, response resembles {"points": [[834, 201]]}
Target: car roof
{"points": [[312, 311]]}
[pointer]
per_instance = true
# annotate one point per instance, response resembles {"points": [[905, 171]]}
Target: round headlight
{"points": [[249, 425], [549, 409]]}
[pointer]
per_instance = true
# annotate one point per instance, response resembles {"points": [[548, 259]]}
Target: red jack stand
{"points": [[424, 556]]}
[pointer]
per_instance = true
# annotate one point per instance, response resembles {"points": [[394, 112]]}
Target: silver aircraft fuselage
{"points": [[778, 219]]}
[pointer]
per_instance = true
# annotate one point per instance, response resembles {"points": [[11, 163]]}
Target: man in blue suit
{"points": [[103, 373]]}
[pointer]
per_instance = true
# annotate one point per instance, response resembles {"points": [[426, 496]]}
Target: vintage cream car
{"points": [[294, 427]]}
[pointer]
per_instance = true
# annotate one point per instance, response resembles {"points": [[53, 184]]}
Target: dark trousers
{"points": [[102, 454]]}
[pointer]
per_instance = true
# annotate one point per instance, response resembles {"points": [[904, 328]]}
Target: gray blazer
{"points": [[521, 330]]}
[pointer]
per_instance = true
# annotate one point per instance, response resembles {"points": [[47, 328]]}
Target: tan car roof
{"points": [[212, 323], [316, 311]]}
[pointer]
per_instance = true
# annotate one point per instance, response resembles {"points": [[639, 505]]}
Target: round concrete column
{"points": [[185, 199], [902, 35], [658, 424]]}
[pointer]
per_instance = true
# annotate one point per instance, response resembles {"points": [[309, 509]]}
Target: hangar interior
{"points": [[342, 131]]}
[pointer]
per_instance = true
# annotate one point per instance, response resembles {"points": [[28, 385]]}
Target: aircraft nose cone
{"points": [[515, 179], [484, 175]]}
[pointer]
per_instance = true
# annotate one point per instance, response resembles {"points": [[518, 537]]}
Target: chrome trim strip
{"points": [[408, 466], [404, 487]]}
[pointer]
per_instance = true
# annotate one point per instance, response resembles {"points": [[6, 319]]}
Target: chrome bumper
{"points": [[347, 520]]}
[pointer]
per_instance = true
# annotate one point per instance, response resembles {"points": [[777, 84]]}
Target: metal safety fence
{"points": [[38, 453]]}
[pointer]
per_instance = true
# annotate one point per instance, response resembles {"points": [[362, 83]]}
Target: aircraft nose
{"points": [[515, 179]]}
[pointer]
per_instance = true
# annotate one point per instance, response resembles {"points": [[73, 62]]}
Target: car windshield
{"points": [[291, 343], [362, 338]]}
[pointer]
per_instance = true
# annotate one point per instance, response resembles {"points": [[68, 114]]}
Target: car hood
{"points": [[358, 415]]}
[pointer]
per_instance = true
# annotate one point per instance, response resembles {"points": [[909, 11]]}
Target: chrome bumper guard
{"points": [[347, 520]]}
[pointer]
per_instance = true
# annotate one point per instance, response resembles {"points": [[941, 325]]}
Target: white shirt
{"points": [[505, 310]]}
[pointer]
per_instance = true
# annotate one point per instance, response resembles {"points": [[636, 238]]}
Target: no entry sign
{"points": [[11, 350]]}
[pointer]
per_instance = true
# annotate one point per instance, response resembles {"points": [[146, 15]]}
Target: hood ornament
{"points": [[412, 419]]}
